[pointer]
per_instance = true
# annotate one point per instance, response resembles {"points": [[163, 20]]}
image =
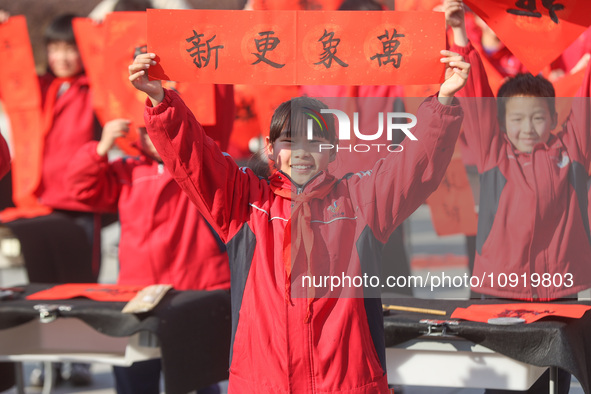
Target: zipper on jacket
{"points": [[160, 168], [300, 188]]}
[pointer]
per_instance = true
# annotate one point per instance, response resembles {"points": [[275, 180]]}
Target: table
{"points": [[189, 330], [527, 348]]}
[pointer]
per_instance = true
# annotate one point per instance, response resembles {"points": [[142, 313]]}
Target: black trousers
{"points": [[62, 247]]}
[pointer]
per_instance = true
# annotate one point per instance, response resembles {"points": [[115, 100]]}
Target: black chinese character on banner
{"points": [[389, 46], [528, 8], [329, 44], [264, 45], [201, 51]]}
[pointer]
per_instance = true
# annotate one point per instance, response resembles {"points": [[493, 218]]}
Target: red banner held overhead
{"points": [[297, 47], [21, 95], [536, 31], [90, 37]]}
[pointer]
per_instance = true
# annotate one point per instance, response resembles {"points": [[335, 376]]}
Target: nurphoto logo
{"points": [[394, 121]]}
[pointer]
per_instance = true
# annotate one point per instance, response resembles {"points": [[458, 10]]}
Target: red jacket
{"points": [[74, 125], [533, 206], [4, 157], [282, 343], [164, 238]]}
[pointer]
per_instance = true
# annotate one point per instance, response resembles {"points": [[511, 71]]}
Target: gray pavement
{"points": [[423, 240]]}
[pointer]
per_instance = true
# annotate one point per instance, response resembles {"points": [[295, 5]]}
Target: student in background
{"points": [[533, 206], [164, 238], [64, 245]]}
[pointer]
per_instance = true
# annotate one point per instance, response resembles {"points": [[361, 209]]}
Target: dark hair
{"points": [[360, 5], [291, 117], [525, 85], [60, 29], [132, 5]]}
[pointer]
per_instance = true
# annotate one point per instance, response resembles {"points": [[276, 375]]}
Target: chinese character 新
{"points": [[201, 51]]}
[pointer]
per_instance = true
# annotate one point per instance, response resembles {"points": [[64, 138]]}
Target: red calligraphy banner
{"points": [[536, 31], [262, 47], [21, 95]]}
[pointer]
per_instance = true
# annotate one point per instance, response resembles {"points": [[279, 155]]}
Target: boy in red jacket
{"points": [[533, 241], [307, 344]]}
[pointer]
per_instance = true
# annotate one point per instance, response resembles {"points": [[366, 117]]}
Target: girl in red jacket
{"points": [[289, 336]]}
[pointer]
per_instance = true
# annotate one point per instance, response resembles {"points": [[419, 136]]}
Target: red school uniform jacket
{"points": [[164, 238], [4, 157], [285, 344], [73, 125], [532, 220]]}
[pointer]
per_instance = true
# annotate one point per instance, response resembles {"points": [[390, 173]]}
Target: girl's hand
{"points": [[138, 75], [113, 129], [456, 75]]}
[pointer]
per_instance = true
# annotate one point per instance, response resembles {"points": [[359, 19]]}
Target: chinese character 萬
{"points": [[389, 46]]}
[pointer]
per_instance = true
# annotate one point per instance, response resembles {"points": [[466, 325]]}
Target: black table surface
{"points": [[551, 341], [193, 329]]}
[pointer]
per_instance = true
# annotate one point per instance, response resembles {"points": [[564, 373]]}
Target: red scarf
{"points": [[300, 222]]}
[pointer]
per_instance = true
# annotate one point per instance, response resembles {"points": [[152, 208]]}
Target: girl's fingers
{"points": [[136, 75]]}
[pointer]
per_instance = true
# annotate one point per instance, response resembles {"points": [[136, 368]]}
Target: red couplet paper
{"points": [[94, 291], [21, 95], [297, 47], [536, 31], [452, 204], [234, 47], [125, 36], [530, 312], [90, 37], [566, 88]]}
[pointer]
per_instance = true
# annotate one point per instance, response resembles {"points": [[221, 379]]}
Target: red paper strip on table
{"points": [[530, 312], [94, 291]]}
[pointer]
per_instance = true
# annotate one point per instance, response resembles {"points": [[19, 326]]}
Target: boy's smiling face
{"points": [[528, 121], [299, 157]]}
